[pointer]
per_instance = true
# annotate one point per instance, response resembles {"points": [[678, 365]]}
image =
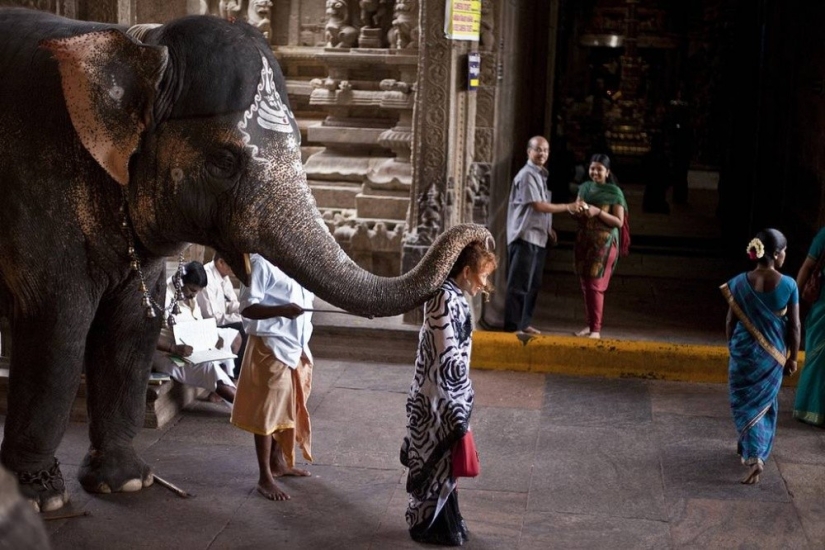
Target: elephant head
{"points": [[193, 123]]}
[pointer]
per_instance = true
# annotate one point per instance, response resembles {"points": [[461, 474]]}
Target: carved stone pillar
{"points": [[367, 119], [361, 177], [443, 139], [488, 87]]}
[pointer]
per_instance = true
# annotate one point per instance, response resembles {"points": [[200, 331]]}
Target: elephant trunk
{"points": [[297, 240]]}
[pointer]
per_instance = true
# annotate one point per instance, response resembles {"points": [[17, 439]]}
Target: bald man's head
{"points": [[538, 150]]}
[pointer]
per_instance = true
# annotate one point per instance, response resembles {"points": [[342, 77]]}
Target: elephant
{"points": [[118, 148]]}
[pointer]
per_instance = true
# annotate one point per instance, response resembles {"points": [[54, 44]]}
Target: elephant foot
{"points": [[114, 471], [45, 489]]}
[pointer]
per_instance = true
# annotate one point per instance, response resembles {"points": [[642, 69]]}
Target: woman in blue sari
{"points": [[763, 334]]}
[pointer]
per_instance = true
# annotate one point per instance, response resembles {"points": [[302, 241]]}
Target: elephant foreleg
{"points": [[44, 376], [120, 347]]}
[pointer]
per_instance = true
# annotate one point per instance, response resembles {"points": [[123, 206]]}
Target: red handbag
{"points": [[465, 457]]}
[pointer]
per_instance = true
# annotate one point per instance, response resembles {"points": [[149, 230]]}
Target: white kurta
{"points": [[218, 300], [203, 375], [287, 338]]}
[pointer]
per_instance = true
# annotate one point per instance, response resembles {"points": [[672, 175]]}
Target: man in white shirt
{"points": [[276, 376], [209, 375], [219, 300]]}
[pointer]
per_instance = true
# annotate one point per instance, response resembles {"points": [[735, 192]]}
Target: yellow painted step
{"points": [[608, 358]]}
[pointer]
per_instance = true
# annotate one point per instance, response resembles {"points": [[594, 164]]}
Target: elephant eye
{"points": [[223, 164]]}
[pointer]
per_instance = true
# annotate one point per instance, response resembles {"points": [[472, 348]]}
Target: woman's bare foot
{"points": [[753, 474], [583, 332], [594, 335], [271, 491]]}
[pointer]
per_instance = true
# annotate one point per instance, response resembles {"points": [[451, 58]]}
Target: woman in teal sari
{"points": [[763, 339], [601, 238], [810, 392]]}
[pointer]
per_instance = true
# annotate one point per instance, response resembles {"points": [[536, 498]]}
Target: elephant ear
{"points": [[110, 83]]}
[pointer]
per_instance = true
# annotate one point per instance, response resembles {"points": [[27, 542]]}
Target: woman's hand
{"points": [[790, 367], [593, 211], [580, 207]]}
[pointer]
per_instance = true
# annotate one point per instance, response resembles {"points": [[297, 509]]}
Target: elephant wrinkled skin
{"points": [[184, 136]]}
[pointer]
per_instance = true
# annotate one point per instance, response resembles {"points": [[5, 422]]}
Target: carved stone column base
{"points": [[334, 194], [386, 192], [331, 165], [370, 38], [390, 174], [387, 206]]}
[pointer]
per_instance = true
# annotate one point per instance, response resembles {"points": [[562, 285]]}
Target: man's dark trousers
{"points": [[526, 265]]}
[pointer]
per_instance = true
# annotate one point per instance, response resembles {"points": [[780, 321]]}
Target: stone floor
{"points": [[566, 463]]}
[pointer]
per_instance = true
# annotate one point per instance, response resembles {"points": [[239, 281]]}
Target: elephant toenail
{"points": [[131, 486]]}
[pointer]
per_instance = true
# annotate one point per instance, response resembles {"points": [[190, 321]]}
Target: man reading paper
{"points": [[209, 375]]}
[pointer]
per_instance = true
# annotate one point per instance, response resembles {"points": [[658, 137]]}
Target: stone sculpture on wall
{"points": [[258, 15], [373, 19], [372, 12], [338, 31], [229, 9], [477, 198], [430, 215], [404, 31]]}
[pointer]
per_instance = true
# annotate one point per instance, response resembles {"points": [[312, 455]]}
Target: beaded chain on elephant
{"points": [[148, 302]]}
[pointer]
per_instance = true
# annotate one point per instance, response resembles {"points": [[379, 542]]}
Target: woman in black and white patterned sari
{"points": [[441, 401]]}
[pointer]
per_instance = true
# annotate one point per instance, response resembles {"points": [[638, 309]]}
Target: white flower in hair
{"points": [[755, 249]]}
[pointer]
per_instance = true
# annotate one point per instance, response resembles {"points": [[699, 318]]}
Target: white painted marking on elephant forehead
{"points": [[177, 175], [273, 114]]}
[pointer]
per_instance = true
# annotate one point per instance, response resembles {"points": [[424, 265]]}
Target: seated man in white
{"points": [[220, 301], [209, 375]]}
